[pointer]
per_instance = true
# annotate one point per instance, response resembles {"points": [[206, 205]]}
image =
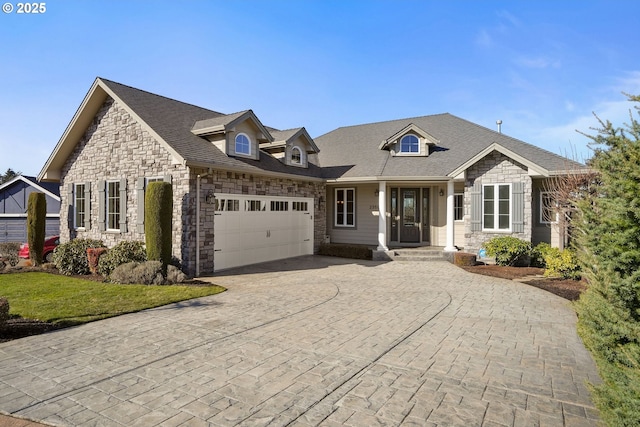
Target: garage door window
{"points": [[227, 205], [278, 205], [345, 207]]}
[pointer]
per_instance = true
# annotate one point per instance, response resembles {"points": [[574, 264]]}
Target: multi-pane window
{"points": [[296, 156], [496, 213], [113, 205], [227, 205], [345, 212], [409, 144], [254, 205], [80, 205], [300, 206], [458, 207], [547, 208], [279, 205], [243, 144]]}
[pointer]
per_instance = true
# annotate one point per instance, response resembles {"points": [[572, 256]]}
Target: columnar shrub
{"points": [[158, 216], [36, 221], [124, 252], [71, 257], [508, 250]]}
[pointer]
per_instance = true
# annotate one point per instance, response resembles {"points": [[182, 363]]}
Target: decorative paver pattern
{"points": [[317, 341]]}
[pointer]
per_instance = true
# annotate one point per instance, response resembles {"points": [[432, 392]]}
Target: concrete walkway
{"points": [[316, 341]]}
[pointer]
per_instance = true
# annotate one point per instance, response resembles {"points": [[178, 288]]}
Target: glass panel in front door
{"points": [[425, 217], [410, 229]]}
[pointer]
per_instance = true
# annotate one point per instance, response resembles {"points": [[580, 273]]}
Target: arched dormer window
{"points": [[296, 156], [409, 144], [243, 144]]}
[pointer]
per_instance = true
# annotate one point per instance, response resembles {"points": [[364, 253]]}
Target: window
{"points": [[296, 156], [113, 205], [496, 205], [243, 144], [80, 206], [547, 208], [409, 144], [300, 206], [254, 205], [278, 205], [458, 207], [345, 207], [227, 205]]}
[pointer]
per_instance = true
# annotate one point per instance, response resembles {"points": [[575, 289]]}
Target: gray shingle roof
{"points": [[173, 121], [353, 151]]}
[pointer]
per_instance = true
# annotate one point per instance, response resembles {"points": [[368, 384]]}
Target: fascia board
{"points": [[83, 116], [209, 130], [390, 179], [412, 127], [250, 115], [203, 165], [534, 168]]}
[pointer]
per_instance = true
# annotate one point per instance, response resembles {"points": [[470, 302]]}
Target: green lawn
{"points": [[70, 301]]}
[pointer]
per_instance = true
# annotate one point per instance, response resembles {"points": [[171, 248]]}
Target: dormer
{"points": [[411, 141], [238, 135], [292, 147]]}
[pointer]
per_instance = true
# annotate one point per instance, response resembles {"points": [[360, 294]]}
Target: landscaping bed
{"points": [[565, 288]]}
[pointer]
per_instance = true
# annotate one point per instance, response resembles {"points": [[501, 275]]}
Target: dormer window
{"points": [[409, 144], [243, 144], [296, 156]]}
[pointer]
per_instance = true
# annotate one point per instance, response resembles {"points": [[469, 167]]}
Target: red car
{"points": [[47, 254]]}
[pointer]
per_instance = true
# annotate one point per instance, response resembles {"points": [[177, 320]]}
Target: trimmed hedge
{"points": [[158, 216], [36, 222], [345, 251]]}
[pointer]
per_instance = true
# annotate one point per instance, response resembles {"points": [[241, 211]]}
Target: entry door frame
{"points": [[420, 232], [410, 214]]}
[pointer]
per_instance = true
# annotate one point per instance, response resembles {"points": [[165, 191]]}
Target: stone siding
{"points": [[496, 168], [115, 146]]}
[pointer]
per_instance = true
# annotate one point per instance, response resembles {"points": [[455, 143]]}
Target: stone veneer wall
{"points": [[245, 183], [496, 168], [115, 146]]}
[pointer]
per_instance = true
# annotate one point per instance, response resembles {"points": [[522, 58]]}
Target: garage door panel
{"points": [[248, 236]]}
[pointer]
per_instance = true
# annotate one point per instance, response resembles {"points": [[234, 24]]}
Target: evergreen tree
{"points": [[8, 175], [609, 238]]}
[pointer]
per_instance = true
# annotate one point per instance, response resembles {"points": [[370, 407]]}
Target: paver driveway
{"points": [[317, 341]]}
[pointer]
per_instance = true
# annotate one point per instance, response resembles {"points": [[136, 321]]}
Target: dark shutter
{"points": [[476, 207], [140, 201], [70, 203], [517, 189]]}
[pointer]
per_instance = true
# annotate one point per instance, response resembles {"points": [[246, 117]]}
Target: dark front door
{"points": [[410, 215]]}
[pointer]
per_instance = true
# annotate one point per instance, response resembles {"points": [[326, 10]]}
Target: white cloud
{"points": [[483, 39], [537, 62]]}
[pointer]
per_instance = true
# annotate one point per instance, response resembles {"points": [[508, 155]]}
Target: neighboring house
{"points": [[246, 193], [14, 197], [441, 180]]}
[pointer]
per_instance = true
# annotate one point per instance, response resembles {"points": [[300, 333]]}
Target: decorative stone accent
{"points": [[496, 168]]}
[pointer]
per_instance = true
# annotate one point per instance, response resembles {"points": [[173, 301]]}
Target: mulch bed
{"points": [[565, 288]]}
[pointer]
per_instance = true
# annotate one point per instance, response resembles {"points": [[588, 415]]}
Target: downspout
{"points": [[198, 178]]}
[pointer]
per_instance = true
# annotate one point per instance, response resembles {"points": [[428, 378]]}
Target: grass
{"points": [[67, 301]]}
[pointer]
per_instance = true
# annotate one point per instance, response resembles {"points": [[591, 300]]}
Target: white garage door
{"points": [[253, 229]]}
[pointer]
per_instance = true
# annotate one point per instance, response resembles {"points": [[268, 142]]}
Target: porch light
{"points": [[441, 192], [210, 198], [376, 193]]}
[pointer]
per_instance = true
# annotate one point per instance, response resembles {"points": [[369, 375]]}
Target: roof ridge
{"points": [[107, 81], [393, 120]]}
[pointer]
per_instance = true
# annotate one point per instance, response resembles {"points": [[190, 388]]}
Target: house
{"points": [[441, 181], [246, 193], [14, 197]]}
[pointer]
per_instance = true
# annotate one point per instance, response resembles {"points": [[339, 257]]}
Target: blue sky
{"points": [[542, 67]]}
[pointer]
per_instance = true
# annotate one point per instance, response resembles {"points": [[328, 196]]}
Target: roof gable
{"points": [[52, 190], [410, 128]]}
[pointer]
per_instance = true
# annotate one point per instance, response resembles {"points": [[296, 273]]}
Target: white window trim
{"points": [[409, 153], [108, 199], [302, 156], [542, 220], [335, 208], [455, 195], [496, 208], [75, 205], [235, 146]]}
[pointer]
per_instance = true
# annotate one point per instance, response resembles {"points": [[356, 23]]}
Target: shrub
{"points": [[142, 273], [508, 250], [9, 252], [158, 215], [71, 257], [345, 251], [4, 310], [561, 264], [124, 252], [175, 275], [538, 254], [36, 219]]}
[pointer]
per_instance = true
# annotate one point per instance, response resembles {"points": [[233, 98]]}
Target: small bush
{"points": [[345, 251], [9, 253], [561, 264], [141, 273], [538, 254], [124, 252], [71, 257], [175, 275], [508, 250], [4, 310]]}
